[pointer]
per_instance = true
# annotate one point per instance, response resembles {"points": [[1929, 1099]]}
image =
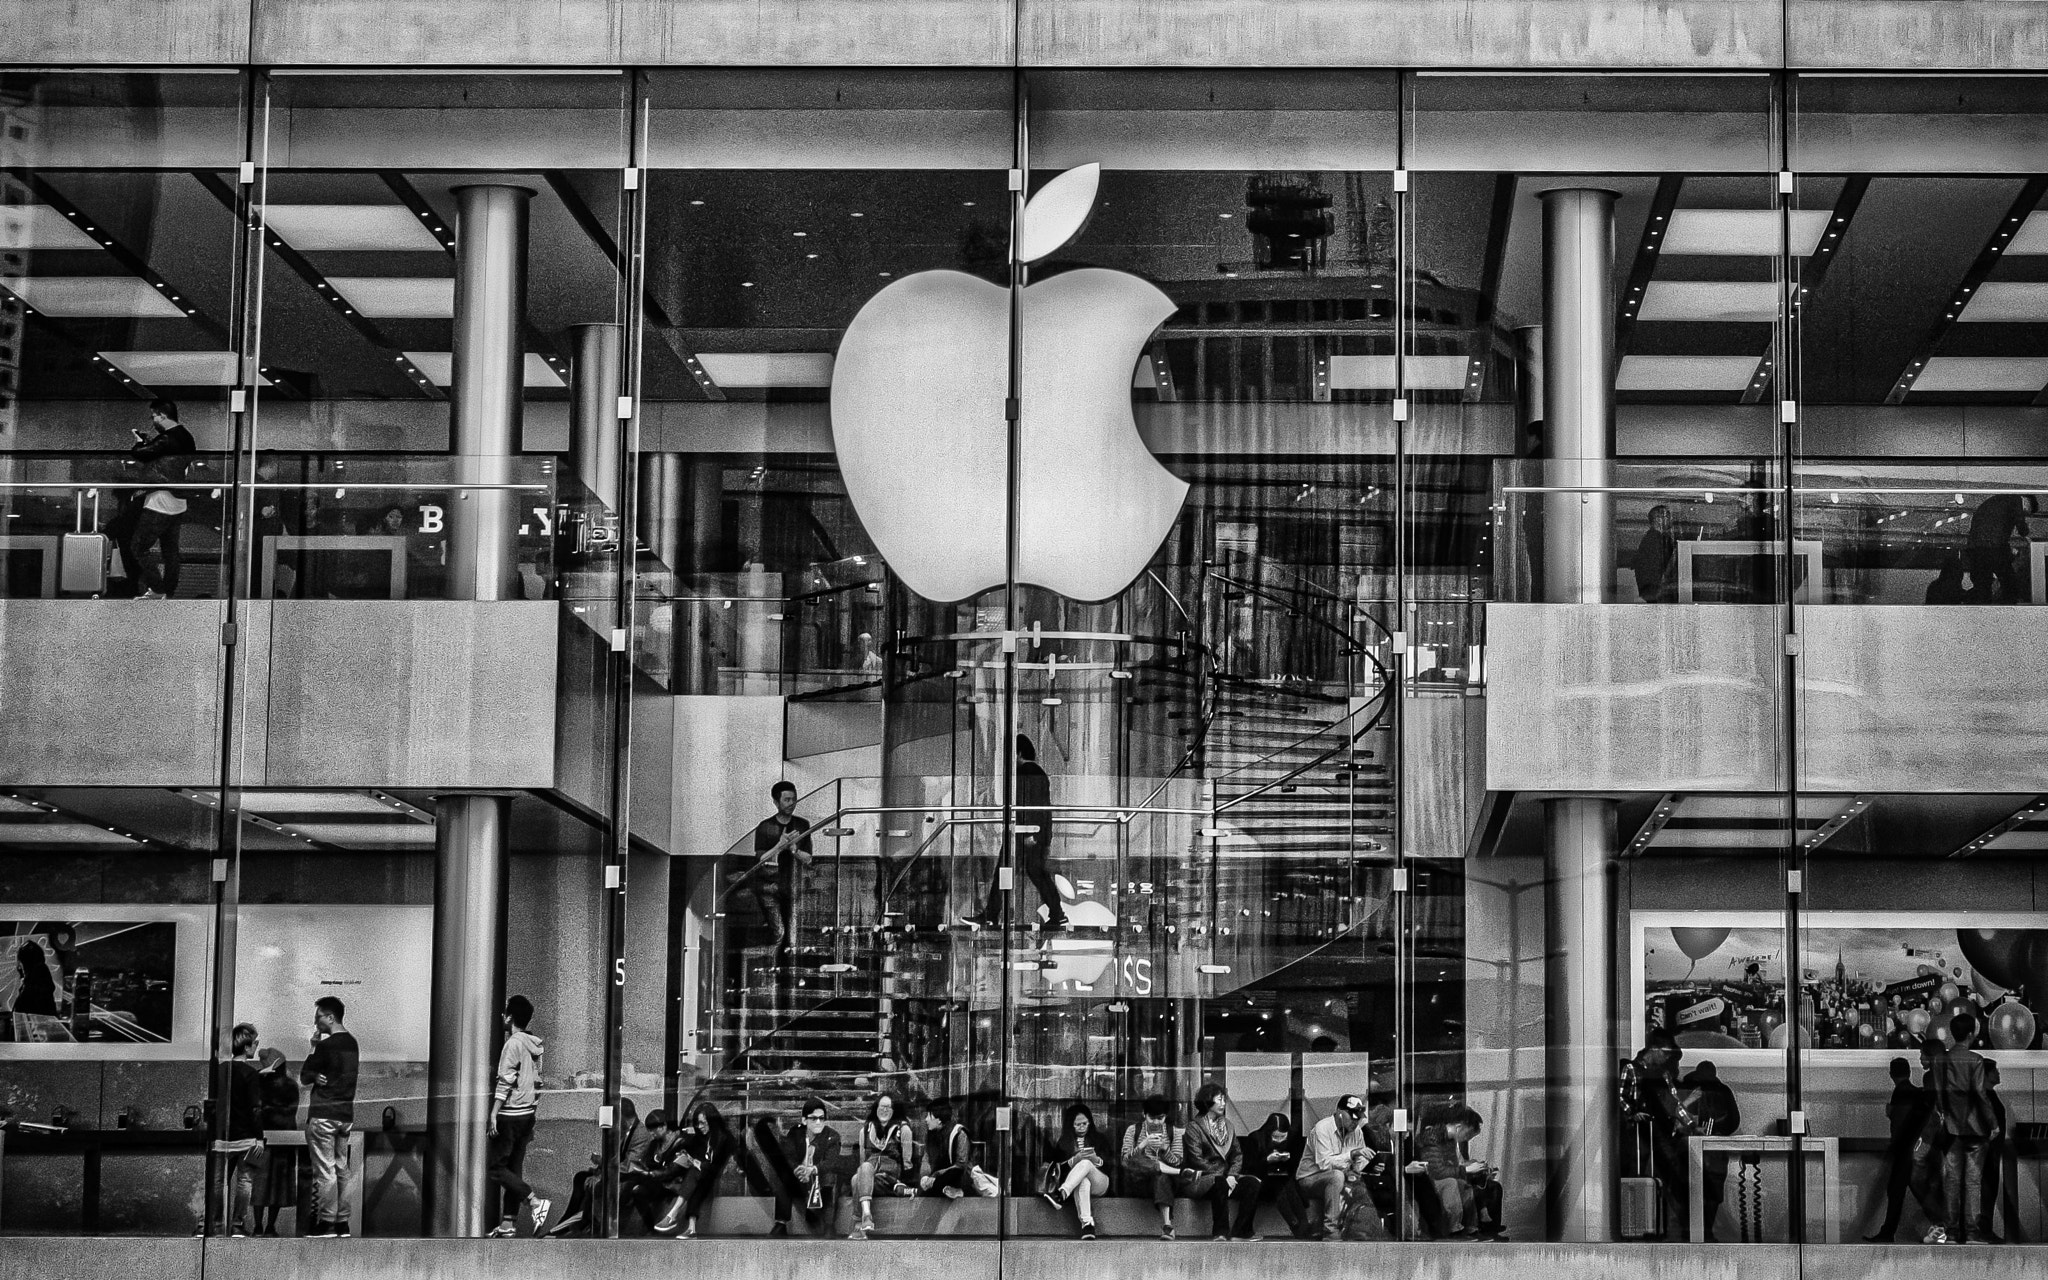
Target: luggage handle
{"points": [[78, 498]]}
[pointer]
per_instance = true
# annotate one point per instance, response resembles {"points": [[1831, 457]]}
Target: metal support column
{"points": [[471, 836], [594, 430], [1577, 568]]}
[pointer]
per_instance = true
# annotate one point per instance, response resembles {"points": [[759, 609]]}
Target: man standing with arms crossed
{"points": [[329, 1075]]}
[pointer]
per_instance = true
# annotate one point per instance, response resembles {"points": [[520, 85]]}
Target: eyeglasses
{"points": [[814, 1119]]}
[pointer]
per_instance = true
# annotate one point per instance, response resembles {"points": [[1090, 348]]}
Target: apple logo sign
{"points": [[917, 420]]}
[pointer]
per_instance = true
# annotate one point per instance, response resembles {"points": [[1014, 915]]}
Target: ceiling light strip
{"points": [[2032, 811], [1987, 258], [1807, 273], [1655, 224], [132, 262]]}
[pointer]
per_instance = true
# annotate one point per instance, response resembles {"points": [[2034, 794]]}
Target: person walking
{"points": [[1151, 1155], [1962, 1082], [329, 1074], [782, 845], [1336, 1146], [1656, 560], [277, 1181], [1214, 1167], [1032, 845], [1907, 1115], [515, 1099]]}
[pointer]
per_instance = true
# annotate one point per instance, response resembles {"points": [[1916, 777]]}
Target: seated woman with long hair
{"points": [[888, 1152], [1079, 1154], [697, 1157]]}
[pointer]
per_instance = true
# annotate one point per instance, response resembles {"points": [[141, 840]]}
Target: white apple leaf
{"points": [[1058, 212]]}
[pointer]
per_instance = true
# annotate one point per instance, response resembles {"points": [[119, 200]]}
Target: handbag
{"points": [[1049, 1180], [984, 1184]]}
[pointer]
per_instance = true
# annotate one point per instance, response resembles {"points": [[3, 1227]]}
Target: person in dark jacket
{"points": [[1441, 1155], [1033, 848], [244, 1139], [277, 1187], [1212, 1167], [1907, 1113], [1272, 1151], [329, 1075], [948, 1167], [1714, 1110], [695, 1160], [35, 989], [1995, 576], [1079, 1155], [1962, 1081], [634, 1139], [804, 1166], [1656, 560], [154, 517]]}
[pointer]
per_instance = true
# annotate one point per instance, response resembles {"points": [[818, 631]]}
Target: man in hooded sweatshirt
{"points": [[513, 1101]]}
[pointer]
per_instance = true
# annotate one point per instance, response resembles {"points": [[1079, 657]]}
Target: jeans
{"points": [[508, 1164], [327, 1148], [1962, 1179], [240, 1159], [153, 527], [1327, 1189]]}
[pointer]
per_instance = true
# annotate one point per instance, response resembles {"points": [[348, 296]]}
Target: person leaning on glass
{"points": [[1336, 1146]]}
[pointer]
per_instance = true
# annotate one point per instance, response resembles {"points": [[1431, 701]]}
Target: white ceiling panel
{"points": [[38, 226], [313, 228], [398, 298], [768, 368], [94, 297], [177, 368], [1983, 373], [1376, 373], [1685, 373], [1742, 232], [439, 366], [2033, 235], [2006, 301], [1733, 301]]}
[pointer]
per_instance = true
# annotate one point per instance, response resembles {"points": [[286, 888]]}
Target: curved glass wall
{"points": [[1369, 634]]}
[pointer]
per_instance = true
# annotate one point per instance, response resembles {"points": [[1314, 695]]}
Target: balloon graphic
{"points": [[1928, 971], [1917, 1021], [2013, 1026], [1698, 944], [1948, 991], [1981, 983], [1779, 1035], [1995, 953]]}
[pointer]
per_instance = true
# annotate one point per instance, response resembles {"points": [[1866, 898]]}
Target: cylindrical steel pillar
{"points": [[595, 431], [1577, 346], [660, 509], [469, 977], [1578, 392], [489, 389]]}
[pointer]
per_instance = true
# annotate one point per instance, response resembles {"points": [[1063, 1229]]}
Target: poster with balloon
{"points": [[1871, 986]]}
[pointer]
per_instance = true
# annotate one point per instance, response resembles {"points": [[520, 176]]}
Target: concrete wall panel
{"points": [[1631, 697], [1907, 698], [412, 693], [1392, 33], [123, 32], [387, 33], [120, 692], [1918, 35], [958, 33]]}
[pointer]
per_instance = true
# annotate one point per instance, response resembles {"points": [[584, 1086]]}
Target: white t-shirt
{"points": [[164, 502]]}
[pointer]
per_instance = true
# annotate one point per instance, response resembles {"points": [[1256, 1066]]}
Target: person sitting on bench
{"points": [[803, 1166], [1151, 1157]]}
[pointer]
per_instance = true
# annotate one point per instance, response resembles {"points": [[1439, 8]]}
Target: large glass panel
{"points": [[1590, 302], [119, 327], [1921, 472], [432, 568], [826, 346], [1210, 692]]}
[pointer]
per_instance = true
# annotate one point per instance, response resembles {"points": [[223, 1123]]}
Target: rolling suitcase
{"points": [[1642, 1196], [82, 554]]}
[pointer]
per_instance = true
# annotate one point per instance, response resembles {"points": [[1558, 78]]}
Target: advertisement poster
{"points": [[103, 982], [1873, 985], [377, 960]]}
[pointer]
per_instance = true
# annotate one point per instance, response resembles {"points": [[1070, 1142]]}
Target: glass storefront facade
{"points": [[1028, 595]]}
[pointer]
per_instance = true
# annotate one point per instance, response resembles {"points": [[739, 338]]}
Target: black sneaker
{"points": [[1087, 1231], [341, 1229], [322, 1231], [779, 1229]]}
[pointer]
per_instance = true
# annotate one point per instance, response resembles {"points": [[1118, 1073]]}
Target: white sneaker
{"points": [[1935, 1235], [503, 1230], [541, 1205]]}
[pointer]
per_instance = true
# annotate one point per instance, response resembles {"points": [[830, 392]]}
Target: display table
{"points": [[1742, 1143], [275, 1138]]}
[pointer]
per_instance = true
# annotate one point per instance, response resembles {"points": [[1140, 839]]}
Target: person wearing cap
{"points": [[1336, 1146]]}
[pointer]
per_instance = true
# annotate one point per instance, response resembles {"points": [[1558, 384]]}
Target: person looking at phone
{"points": [[163, 451], [782, 843]]}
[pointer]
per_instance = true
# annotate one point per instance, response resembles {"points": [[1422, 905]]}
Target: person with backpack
{"points": [[948, 1168]]}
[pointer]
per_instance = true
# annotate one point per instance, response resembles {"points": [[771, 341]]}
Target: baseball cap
{"points": [[270, 1059], [1353, 1103]]}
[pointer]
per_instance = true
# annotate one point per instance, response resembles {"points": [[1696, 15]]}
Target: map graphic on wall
{"points": [[88, 981], [1872, 985]]}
